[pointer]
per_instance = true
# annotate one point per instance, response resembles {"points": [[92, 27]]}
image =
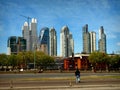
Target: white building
{"points": [[66, 42], [30, 34], [33, 34], [26, 35], [93, 41]]}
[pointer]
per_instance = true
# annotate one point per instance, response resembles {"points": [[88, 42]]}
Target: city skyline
{"points": [[58, 13]]}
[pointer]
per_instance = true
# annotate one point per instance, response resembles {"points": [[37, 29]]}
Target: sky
{"points": [[58, 13]]}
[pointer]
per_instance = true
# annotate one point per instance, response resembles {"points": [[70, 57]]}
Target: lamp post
{"points": [[34, 59], [34, 55]]}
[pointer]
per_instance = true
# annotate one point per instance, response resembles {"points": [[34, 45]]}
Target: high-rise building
{"points": [[102, 40], [30, 34], [16, 44], [33, 34], [65, 42], [21, 44], [86, 40], [44, 40], [71, 44], [26, 34], [93, 41], [12, 44], [53, 42]]}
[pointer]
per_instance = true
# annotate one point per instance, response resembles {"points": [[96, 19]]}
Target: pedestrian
{"points": [[77, 74]]}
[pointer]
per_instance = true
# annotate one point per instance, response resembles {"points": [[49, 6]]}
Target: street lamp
{"points": [[34, 59], [34, 55]]}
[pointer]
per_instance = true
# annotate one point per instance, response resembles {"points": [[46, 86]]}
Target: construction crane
{"points": [[28, 18]]}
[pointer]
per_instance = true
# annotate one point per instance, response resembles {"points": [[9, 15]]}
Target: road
{"points": [[58, 81], [52, 75]]}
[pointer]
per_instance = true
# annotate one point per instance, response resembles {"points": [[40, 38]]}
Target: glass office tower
{"points": [[44, 40], [16, 44]]}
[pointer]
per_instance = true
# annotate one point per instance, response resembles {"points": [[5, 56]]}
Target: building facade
{"points": [[29, 33], [44, 40], [102, 40], [16, 44], [66, 42], [93, 41], [86, 40], [33, 34], [26, 34], [53, 42], [71, 44]]}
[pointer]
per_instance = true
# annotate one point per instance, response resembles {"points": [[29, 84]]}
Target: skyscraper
{"points": [[102, 40], [66, 42], [86, 39], [33, 34], [44, 40], [16, 44], [30, 34], [26, 34], [71, 44], [93, 41], [53, 42]]}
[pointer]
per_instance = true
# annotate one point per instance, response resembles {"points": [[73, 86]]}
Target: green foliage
{"points": [[44, 61], [115, 62], [12, 60], [3, 59], [24, 58], [98, 57]]}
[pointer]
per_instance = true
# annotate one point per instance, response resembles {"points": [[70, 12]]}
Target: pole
{"points": [[34, 57]]}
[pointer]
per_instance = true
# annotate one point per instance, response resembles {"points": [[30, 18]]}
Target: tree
{"points": [[3, 59], [12, 61], [24, 58], [98, 58], [114, 62], [44, 61]]}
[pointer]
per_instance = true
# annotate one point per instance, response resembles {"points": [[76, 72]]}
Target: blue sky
{"points": [[57, 13]]}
